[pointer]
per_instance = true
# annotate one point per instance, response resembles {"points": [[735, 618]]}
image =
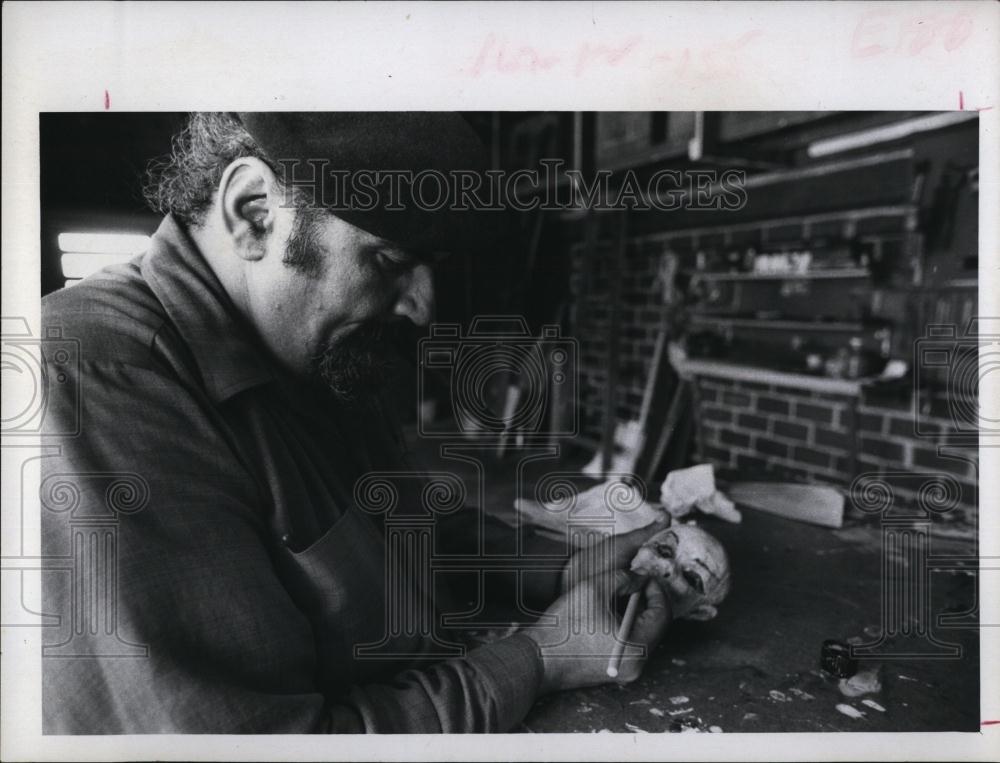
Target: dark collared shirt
{"points": [[225, 585]]}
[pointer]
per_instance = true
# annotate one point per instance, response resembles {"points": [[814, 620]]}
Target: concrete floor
{"points": [[755, 668]]}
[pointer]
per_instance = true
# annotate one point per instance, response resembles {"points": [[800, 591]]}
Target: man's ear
{"points": [[701, 612], [248, 204]]}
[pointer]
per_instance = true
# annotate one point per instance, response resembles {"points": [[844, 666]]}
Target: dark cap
{"points": [[353, 162]]}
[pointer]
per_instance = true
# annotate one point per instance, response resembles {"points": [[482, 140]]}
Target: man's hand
{"points": [[613, 553], [577, 647]]}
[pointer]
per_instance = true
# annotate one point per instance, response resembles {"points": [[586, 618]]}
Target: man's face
{"points": [[327, 302], [692, 566]]}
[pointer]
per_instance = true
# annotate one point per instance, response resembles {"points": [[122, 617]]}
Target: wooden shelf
{"points": [[847, 216], [807, 276], [778, 323], [726, 370]]}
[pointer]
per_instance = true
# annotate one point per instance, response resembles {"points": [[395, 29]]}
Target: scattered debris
{"points": [[872, 631], [865, 682], [656, 711], [779, 696], [715, 729], [685, 489], [678, 662], [801, 694], [690, 725], [680, 699], [750, 716], [905, 678], [584, 709], [850, 712], [640, 702], [682, 711], [635, 729], [873, 705]]}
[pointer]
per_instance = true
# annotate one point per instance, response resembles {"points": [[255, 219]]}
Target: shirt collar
{"points": [[228, 356]]}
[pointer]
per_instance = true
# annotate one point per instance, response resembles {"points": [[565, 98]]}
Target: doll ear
{"points": [[701, 612]]}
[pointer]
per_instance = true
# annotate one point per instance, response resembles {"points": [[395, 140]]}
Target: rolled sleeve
{"points": [[512, 672], [489, 690]]}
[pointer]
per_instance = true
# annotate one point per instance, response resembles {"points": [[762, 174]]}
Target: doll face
{"points": [[692, 566]]}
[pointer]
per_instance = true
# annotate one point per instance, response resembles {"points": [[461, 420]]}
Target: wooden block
{"points": [[814, 504]]}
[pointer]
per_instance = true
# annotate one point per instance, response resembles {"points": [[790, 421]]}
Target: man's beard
{"points": [[354, 367]]}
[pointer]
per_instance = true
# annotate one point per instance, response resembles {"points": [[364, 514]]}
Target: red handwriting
{"points": [[107, 100], [499, 56], [884, 32], [612, 55]]}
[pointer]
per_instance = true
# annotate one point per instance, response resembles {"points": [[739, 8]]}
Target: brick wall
{"points": [[750, 430], [641, 298]]}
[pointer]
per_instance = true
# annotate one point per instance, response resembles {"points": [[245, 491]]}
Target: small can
{"points": [[835, 658]]}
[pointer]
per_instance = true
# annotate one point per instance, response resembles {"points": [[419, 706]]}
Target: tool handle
{"points": [[615, 663]]}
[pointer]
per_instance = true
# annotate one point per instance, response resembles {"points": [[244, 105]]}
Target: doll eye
{"points": [[693, 580], [664, 550]]}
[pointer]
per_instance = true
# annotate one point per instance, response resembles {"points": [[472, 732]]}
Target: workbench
{"points": [[756, 667]]}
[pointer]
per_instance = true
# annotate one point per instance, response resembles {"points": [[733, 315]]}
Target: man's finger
{"points": [[652, 622], [656, 597], [626, 582]]}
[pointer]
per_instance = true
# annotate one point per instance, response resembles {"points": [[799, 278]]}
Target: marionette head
{"points": [[691, 565]]}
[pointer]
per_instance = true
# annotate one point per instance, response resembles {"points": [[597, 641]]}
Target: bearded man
{"points": [[225, 371]]}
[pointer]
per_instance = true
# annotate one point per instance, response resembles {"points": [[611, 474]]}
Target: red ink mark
{"points": [[865, 29], [611, 55], [909, 36], [107, 100], [749, 37], [961, 104], [958, 31], [989, 723], [500, 57]]}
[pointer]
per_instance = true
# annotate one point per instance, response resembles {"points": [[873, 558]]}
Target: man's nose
{"points": [[416, 301]]}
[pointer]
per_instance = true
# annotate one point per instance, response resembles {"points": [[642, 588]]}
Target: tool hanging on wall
{"points": [[660, 379], [640, 445], [614, 304]]}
